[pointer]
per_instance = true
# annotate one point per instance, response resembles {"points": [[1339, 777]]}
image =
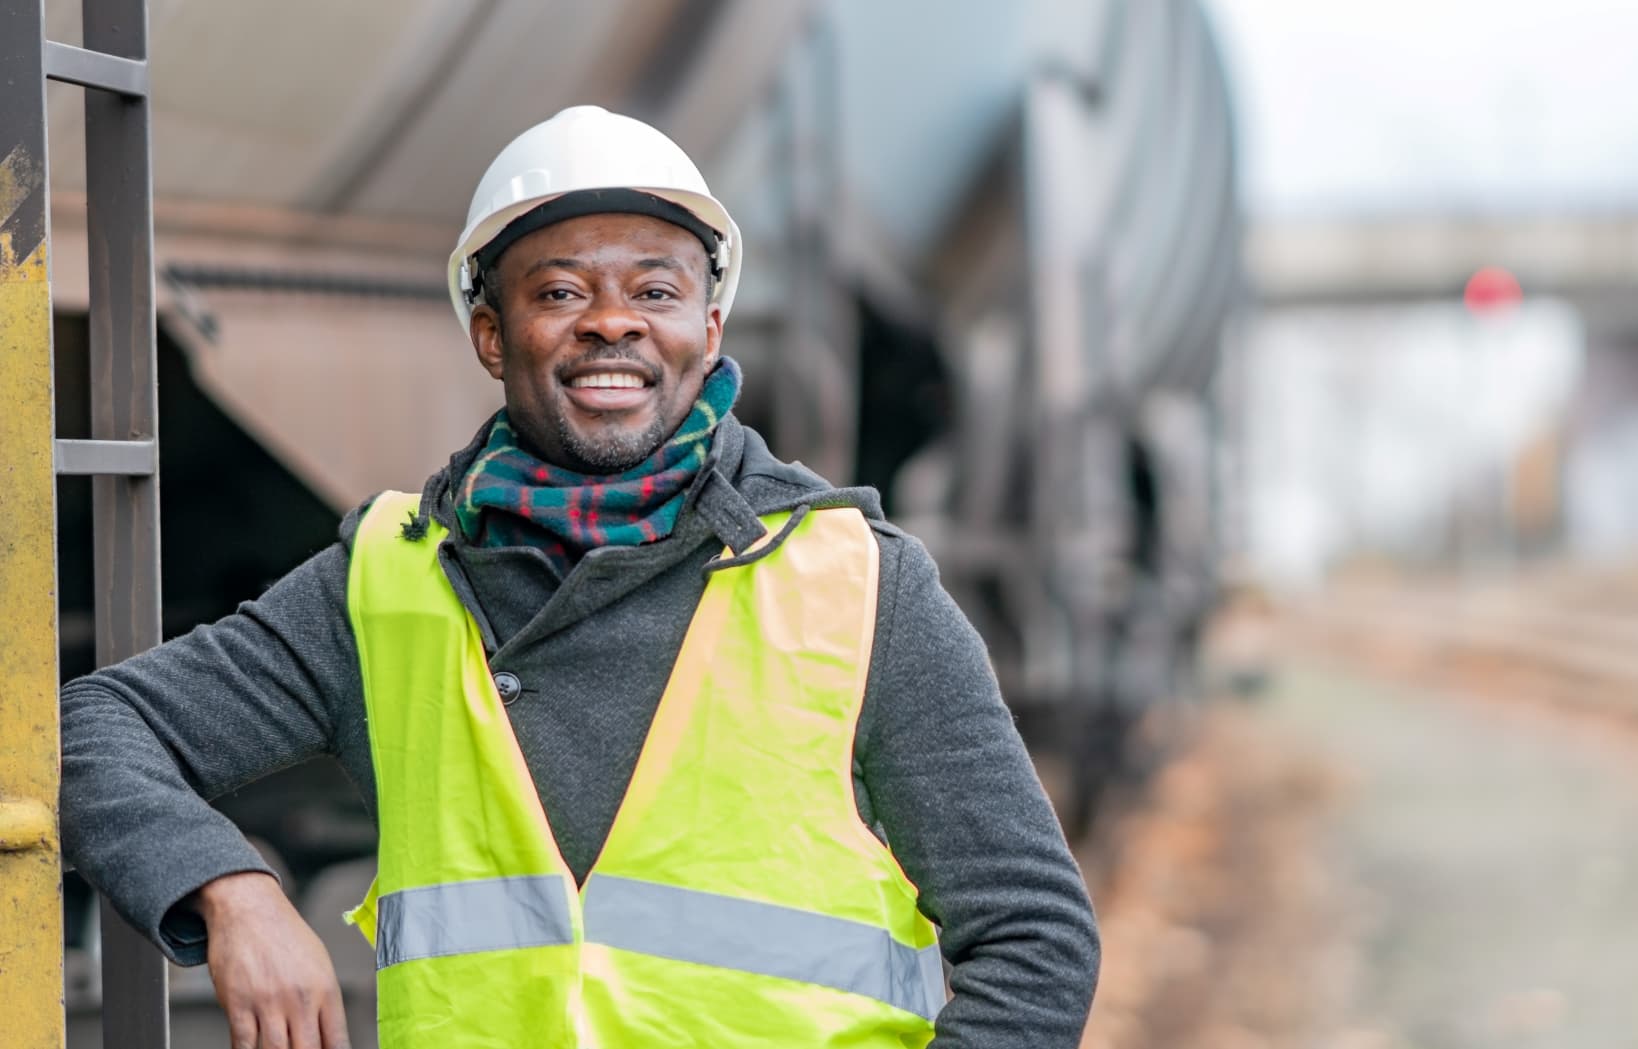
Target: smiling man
{"points": [[670, 743]]}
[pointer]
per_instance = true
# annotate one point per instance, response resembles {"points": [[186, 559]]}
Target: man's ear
{"points": [[485, 330], [713, 333]]}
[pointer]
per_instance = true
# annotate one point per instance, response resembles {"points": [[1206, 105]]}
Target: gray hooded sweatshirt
{"points": [[939, 770]]}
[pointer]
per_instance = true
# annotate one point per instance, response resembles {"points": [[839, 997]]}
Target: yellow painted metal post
{"points": [[31, 920], [31, 909]]}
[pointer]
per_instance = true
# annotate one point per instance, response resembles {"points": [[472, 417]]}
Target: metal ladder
{"points": [[124, 459]]}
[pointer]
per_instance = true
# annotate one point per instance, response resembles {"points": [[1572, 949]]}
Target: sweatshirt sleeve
{"points": [[957, 797], [146, 742]]}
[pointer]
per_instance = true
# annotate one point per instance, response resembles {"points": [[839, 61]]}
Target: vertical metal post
{"points": [[795, 434], [124, 406], [815, 418], [31, 929]]}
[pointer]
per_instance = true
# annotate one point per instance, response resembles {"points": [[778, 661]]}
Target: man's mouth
{"points": [[608, 386], [607, 381]]}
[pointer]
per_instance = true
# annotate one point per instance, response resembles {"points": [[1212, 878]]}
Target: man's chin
{"points": [[611, 449]]}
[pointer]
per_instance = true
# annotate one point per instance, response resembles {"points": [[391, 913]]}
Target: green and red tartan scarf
{"points": [[512, 498]]}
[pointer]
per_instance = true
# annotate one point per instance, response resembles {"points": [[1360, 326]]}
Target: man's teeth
{"points": [[607, 381]]}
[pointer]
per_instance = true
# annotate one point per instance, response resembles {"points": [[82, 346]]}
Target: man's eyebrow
{"points": [[661, 262], [554, 264]]}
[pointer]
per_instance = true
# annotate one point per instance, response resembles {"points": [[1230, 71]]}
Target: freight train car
{"points": [[1031, 317]]}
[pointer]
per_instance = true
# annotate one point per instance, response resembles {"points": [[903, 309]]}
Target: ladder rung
{"points": [[126, 458], [76, 65]]}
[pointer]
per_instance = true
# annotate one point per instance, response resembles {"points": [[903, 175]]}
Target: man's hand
{"points": [[272, 975]]}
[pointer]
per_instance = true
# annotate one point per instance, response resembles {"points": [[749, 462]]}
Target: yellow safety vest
{"points": [[739, 899]]}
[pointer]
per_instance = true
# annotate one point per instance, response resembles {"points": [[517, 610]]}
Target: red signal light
{"points": [[1491, 290]]}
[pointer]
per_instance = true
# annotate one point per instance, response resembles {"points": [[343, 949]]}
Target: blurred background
{"points": [[1262, 373]]}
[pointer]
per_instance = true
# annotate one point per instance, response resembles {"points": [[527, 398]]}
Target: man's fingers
{"points": [[241, 1029], [304, 1027], [275, 1034], [333, 1022], [271, 972]]}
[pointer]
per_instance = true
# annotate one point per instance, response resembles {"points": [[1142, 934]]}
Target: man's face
{"points": [[603, 337]]}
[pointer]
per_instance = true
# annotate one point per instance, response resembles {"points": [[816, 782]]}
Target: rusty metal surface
{"points": [[31, 979], [124, 407]]}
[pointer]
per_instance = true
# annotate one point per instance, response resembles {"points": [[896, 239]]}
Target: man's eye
{"points": [[655, 294], [556, 294]]}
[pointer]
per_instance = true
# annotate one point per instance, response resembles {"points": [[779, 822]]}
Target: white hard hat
{"points": [[588, 148]]}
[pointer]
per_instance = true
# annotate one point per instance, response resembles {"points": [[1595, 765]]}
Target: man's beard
{"points": [[615, 450]]}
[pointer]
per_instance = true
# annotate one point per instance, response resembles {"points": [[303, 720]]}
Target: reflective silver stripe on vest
{"points": [[763, 938], [464, 917]]}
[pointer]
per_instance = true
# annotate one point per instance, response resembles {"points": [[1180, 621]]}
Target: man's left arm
{"points": [[958, 798]]}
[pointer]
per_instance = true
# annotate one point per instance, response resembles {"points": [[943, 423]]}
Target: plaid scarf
{"points": [[511, 498]]}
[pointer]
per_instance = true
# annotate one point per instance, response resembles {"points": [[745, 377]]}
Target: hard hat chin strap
{"points": [[590, 202]]}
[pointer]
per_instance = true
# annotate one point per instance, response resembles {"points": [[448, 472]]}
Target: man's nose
{"points": [[610, 319]]}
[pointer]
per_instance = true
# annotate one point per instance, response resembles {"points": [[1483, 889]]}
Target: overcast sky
{"points": [[1369, 106]]}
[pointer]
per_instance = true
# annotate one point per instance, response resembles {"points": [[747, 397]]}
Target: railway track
{"points": [[1568, 643]]}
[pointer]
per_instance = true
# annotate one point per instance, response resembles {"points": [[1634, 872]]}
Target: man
{"points": [[670, 743]]}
